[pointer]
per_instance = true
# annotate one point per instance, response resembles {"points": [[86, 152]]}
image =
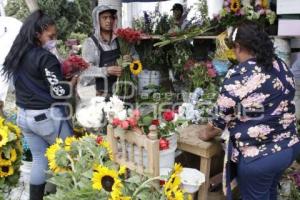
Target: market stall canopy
{"points": [[9, 28]]}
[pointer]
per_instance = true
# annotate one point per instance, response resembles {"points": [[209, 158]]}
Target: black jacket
{"points": [[44, 71]]}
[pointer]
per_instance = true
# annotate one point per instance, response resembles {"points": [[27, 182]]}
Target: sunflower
{"points": [[107, 179], [106, 145], [136, 67], [265, 4], [6, 171], [15, 129], [174, 194], [13, 155], [3, 160], [68, 143], [3, 135], [235, 5], [51, 156], [125, 198]]}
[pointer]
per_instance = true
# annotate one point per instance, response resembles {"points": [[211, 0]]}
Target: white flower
{"points": [[162, 125], [122, 115]]}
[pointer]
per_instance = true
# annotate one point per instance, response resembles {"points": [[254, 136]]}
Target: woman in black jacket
{"points": [[40, 92]]}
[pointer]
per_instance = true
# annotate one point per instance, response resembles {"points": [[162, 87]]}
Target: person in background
{"points": [[40, 92], [102, 50], [179, 19], [256, 105]]}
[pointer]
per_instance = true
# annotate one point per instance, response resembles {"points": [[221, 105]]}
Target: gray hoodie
{"points": [[91, 53]]}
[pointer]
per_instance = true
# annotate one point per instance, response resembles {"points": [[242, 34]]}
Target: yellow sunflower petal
{"points": [[3, 135], [13, 155], [122, 170]]}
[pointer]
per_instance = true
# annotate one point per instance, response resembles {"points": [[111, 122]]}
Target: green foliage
{"points": [[69, 16]]}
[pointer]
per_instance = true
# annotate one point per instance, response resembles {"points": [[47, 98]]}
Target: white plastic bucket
{"points": [[191, 179], [148, 78], [25, 175]]}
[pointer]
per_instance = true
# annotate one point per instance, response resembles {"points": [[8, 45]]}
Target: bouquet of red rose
{"points": [[73, 65], [127, 39]]}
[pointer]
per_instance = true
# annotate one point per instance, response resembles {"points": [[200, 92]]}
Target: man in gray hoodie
{"points": [[102, 49]]}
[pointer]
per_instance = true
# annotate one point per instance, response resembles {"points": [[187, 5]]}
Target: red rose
{"points": [[168, 115], [163, 144], [124, 125], [155, 122], [99, 139]]}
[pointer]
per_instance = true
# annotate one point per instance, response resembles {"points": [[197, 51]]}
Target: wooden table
{"points": [[189, 142]]}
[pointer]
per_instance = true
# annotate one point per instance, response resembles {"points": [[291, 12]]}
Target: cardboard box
{"points": [[288, 7], [289, 27]]}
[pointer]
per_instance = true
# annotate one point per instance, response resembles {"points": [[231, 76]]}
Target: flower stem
{"points": [[143, 185]]}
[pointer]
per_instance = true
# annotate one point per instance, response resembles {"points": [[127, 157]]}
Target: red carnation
{"points": [[168, 115], [116, 122]]}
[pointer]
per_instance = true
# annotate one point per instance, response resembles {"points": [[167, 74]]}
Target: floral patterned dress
{"points": [[258, 109]]}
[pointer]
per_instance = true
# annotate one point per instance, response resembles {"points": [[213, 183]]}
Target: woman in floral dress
{"points": [[256, 105]]}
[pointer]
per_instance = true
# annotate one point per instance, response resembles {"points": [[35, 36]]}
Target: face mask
{"points": [[49, 45]]}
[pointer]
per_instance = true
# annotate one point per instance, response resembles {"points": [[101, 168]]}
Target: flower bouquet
{"points": [[10, 157], [73, 65], [127, 39]]}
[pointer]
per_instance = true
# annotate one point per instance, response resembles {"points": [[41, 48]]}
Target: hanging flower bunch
{"points": [[127, 38], [74, 64], [235, 11], [10, 156]]}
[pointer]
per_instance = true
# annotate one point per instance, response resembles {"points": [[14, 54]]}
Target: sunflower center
{"points": [[3, 155], [1, 138], [235, 5], [5, 169], [107, 182], [135, 66]]}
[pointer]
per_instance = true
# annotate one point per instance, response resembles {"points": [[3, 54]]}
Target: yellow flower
{"points": [[265, 4], [51, 156], [6, 171], [122, 170], [3, 135], [68, 143], [107, 179], [13, 128], [13, 155], [3, 160], [106, 145], [136, 67], [177, 168], [235, 5], [174, 194]]}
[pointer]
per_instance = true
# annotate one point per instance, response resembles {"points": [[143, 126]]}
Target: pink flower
{"points": [[132, 122], [136, 114], [124, 124], [211, 73], [116, 122]]}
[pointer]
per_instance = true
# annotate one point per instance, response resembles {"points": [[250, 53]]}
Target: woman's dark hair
{"points": [[253, 38], [27, 38]]}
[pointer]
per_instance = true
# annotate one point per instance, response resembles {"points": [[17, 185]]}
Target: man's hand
{"points": [[114, 71]]}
